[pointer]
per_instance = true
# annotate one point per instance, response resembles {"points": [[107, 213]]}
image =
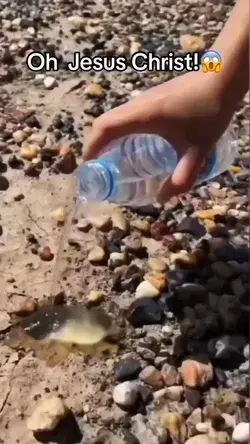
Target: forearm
{"points": [[233, 46]]}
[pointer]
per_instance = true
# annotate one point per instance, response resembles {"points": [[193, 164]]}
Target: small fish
{"points": [[53, 332]]}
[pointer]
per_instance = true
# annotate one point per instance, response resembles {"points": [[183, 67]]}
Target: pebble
{"points": [[46, 254], [126, 370], [192, 43], [27, 307], [145, 311], [94, 90], [94, 296], [191, 225], [101, 222], [203, 427], [157, 279], [171, 375], [175, 425], [47, 415], [246, 352], [157, 265], [153, 377], [192, 421], [119, 221], [125, 394], [97, 255], [241, 433], [117, 259], [201, 439], [222, 270], [134, 47], [19, 136], [66, 163], [50, 82], [146, 290], [59, 215], [196, 374], [174, 393], [142, 432], [77, 22], [141, 225]]}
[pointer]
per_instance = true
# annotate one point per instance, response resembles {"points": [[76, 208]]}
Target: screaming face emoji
{"points": [[211, 62]]}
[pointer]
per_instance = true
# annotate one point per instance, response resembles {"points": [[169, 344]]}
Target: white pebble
{"points": [[50, 82], [246, 352], [146, 290], [241, 433], [125, 394]]}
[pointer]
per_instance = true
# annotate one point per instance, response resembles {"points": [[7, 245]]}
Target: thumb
{"points": [[183, 176]]}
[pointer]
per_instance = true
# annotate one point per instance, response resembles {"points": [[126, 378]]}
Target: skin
{"points": [[191, 111]]}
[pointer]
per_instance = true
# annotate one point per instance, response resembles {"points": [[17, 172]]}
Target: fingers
{"points": [[183, 176], [121, 121]]}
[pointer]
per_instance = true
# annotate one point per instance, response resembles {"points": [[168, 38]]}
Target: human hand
{"points": [[187, 111]]}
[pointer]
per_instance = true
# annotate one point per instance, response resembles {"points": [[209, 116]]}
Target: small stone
{"points": [[142, 432], [192, 421], [222, 270], [119, 220], [192, 226], [47, 415], [210, 225], [174, 393], [201, 439], [19, 136], [59, 215], [246, 352], [77, 22], [117, 260], [158, 230], [94, 296], [153, 377], [171, 242], [27, 307], [146, 290], [234, 169], [175, 425], [196, 374], [192, 43], [171, 375], [207, 214], [66, 163], [97, 255], [29, 152], [244, 367], [50, 82], [241, 433], [157, 265], [94, 90], [203, 427], [133, 243], [141, 225], [183, 258], [84, 226], [144, 311], [193, 397], [134, 47], [101, 222], [229, 420], [127, 370], [125, 394], [46, 254], [157, 279]]}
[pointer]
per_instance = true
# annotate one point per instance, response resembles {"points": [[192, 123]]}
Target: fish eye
{"points": [[206, 59], [215, 59]]}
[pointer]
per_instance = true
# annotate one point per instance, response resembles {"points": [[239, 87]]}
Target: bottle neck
{"points": [[94, 181]]}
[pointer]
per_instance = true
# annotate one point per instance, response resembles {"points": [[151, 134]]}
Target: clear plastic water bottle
{"points": [[130, 170]]}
